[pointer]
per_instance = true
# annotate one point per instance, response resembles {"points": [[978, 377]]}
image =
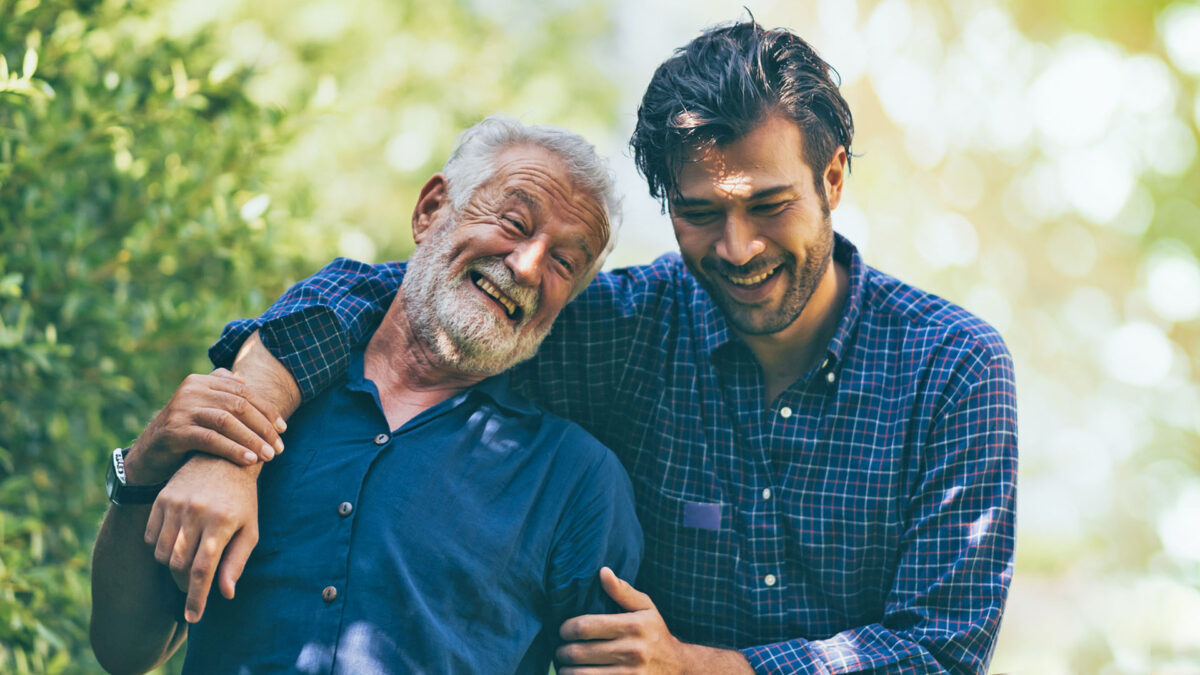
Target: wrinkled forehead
{"points": [[542, 182]]}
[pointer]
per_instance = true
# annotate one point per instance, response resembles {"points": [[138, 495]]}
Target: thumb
{"points": [[629, 598]]}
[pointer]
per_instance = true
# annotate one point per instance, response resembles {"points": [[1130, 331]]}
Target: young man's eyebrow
{"points": [[685, 202]]}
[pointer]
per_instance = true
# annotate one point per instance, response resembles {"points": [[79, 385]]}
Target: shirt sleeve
{"points": [[943, 611], [313, 327], [600, 529]]}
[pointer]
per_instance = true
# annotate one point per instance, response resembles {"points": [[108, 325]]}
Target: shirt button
{"points": [[785, 412], [769, 580], [382, 439], [825, 363], [330, 594], [766, 493], [345, 509], [830, 377]]}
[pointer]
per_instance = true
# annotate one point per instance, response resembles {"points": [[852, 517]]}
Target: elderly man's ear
{"points": [[432, 199]]}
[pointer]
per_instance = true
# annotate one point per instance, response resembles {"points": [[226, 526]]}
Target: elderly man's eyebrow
{"points": [[581, 241], [525, 198]]}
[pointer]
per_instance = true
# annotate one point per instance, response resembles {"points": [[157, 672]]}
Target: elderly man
{"points": [[824, 457], [424, 518]]}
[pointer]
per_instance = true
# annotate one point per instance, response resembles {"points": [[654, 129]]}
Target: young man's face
{"points": [[752, 226], [486, 283]]}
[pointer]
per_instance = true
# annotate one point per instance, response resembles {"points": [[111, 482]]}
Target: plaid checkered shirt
{"points": [[864, 520]]}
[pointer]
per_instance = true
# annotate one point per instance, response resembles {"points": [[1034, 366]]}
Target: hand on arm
{"points": [[205, 521], [635, 641], [218, 414]]}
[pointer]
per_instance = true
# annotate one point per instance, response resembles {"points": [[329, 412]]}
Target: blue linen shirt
{"points": [[455, 544], [863, 520]]}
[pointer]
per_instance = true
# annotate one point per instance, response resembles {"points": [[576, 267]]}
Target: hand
{"points": [[636, 641], [215, 414], [209, 506]]}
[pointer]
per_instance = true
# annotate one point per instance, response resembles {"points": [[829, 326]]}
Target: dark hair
{"points": [[719, 86]]}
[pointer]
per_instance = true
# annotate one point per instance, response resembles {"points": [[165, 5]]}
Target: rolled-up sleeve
{"points": [[313, 327]]}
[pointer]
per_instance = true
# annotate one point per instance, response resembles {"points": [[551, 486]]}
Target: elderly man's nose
{"points": [[527, 260]]}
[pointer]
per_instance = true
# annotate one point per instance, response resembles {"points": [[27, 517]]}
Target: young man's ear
{"points": [[835, 177], [432, 199]]}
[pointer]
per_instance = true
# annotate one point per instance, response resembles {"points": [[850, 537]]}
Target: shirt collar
{"points": [[716, 332], [495, 388]]}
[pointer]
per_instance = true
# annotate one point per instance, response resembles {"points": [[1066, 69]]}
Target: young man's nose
{"points": [[739, 243]]}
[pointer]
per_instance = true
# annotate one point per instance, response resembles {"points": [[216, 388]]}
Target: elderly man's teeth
{"points": [[750, 281], [509, 305]]}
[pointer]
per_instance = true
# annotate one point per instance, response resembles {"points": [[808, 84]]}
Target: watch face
{"points": [[110, 481]]}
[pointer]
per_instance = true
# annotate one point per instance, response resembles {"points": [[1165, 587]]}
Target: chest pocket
{"points": [[691, 559]]}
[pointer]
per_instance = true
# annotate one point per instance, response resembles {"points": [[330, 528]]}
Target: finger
{"points": [[200, 577], [237, 418], [183, 553], [220, 431], [275, 425], [596, 627], [234, 561], [629, 598], [262, 418], [165, 544], [598, 653], [154, 523], [265, 407]]}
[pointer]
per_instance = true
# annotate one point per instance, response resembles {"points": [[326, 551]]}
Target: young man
{"points": [[824, 457], [425, 518]]}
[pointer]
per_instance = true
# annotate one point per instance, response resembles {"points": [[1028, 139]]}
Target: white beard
{"points": [[454, 321]]}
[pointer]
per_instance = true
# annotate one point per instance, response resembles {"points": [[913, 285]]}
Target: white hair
{"points": [[473, 162]]}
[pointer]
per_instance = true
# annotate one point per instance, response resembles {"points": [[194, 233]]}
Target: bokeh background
{"points": [[167, 165]]}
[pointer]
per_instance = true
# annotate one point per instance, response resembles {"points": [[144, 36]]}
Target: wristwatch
{"points": [[119, 491]]}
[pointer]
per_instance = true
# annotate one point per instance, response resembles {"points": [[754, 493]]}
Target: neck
{"points": [[407, 372], [786, 355]]}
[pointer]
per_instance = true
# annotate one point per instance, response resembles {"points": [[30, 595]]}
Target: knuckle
{"points": [[199, 572]]}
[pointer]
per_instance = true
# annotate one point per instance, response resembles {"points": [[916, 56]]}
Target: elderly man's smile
{"points": [[511, 309]]}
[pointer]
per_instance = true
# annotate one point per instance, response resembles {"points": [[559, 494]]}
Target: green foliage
{"points": [[124, 161], [151, 188]]}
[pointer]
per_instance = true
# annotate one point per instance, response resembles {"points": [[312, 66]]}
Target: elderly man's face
{"points": [[485, 284]]}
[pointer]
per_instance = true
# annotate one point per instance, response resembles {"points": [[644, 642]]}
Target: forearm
{"points": [[135, 623], [699, 659], [267, 376]]}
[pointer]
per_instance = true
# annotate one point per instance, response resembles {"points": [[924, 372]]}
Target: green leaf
{"points": [[30, 65]]}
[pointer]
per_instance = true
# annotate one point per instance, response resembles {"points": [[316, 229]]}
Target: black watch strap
{"points": [[120, 492]]}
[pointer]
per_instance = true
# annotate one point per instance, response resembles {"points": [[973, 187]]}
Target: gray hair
{"points": [[472, 164]]}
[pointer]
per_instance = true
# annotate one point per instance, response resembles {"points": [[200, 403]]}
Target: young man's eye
{"points": [[700, 217], [770, 209]]}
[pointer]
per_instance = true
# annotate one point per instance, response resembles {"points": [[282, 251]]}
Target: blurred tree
{"points": [[125, 160], [151, 188]]}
